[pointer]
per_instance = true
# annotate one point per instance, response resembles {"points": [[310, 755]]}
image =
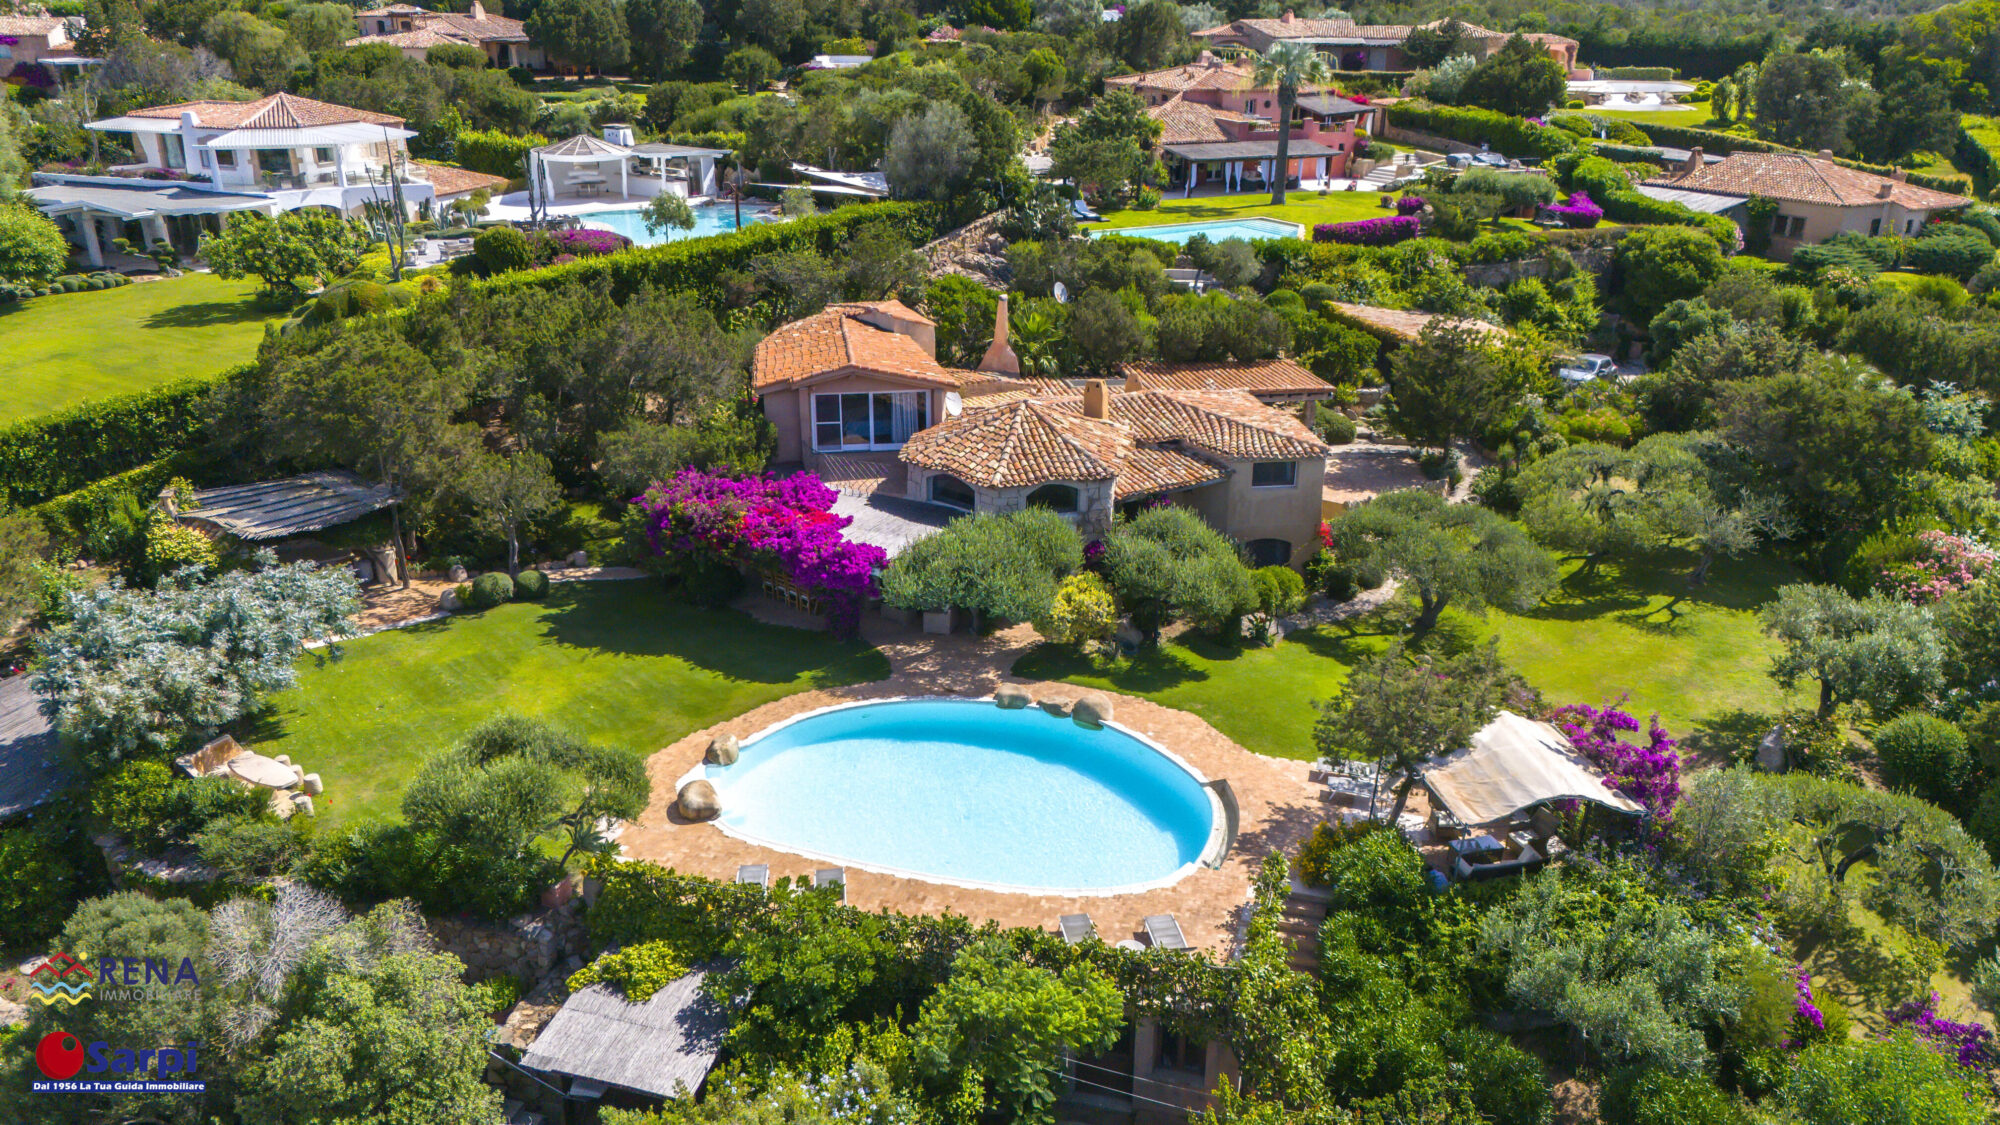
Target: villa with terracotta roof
{"points": [[415, 31], [1219, 127], [859, 384], [1816, 197], [203, 160], [1354, 46], [1251, 471], [36, 38]]}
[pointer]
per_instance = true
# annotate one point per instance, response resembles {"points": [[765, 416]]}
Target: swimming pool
{"points": [[709, 218], [1215, 229], [960, 791]]}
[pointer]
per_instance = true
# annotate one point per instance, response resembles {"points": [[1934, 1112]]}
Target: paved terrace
{"points": [[1279, 805]]}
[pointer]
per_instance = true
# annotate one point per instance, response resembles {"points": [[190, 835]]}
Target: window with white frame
{"points": [[225, 158], [868, 420], [323, 155], [1274, 474]]}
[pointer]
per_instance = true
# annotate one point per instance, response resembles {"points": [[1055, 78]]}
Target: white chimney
{"points": [[478, 11], [1000, 358]]}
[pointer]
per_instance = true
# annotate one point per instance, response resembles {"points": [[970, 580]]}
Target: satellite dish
{"points": [[1062, 292], [954, 404]]}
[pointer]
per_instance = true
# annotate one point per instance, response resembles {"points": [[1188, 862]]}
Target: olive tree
{"points": [[1169, 566], [1402, 710], [1448, 554], [1879, 651]]}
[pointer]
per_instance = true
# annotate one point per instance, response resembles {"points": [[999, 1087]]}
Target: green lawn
{"points": [[619, 662], [1306, 207], [1595, 639], [1696, 116], [68, 349]]}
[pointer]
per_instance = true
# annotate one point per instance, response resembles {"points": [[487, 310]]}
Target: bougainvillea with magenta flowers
{"points": [[1385, 231], [1649, 774], [1970, 1043], [1580, 212], [1409, 205], [1805, 1012], [585, 242], [781, 524]]}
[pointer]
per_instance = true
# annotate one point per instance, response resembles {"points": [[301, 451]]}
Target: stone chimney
{"points": [[1887, 189], [1000, 358], [1096, 400], [1288, 17], [1206, 58], [1900, 175], [478, 11], [1694, 160], [1826, 154]]}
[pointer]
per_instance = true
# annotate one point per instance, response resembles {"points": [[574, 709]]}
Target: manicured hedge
{"points": [[696, 263], [1505, 133], [73, 517], [1637, 73], [496, 153], [45, 457]]}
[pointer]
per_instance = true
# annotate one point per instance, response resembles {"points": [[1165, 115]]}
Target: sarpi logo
{"points": [[62, 979], [63, 1055]]}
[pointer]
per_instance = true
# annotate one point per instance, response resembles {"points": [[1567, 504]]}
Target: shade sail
{"points": [[1250, 150], [136, 125], [1515, 762]]}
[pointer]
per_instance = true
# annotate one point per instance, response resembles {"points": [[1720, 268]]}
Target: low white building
{"points": [[278, 153]]}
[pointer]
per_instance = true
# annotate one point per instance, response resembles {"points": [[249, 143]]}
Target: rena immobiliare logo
{"points": [[62, 979], [69, 1065]]}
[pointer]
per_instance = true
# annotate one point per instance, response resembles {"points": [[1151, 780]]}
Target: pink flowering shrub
{"points": [[1806, 1014], [1649, 774], [1578, 213], [586, 243], [1368, 232], [1409, 205], [782, 525], [1944, 564], [1970, 1043]]}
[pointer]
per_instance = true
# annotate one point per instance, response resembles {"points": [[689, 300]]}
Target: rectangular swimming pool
{"points": [[1215, 229]]}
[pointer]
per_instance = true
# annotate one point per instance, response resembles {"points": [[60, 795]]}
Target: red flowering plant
{"points": [[782, 525], [1649, 774]]}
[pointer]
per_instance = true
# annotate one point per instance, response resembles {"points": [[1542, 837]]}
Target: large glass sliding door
{"points": [[872, 420]]}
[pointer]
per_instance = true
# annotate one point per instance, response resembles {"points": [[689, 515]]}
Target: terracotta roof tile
{"points": [[495, 28], [30, 24], [1185, 122], [836, 339], [447, 179], [405, 40], [1152, 441], [1401, 324], [275, 111], [1797, 178], [1257, 376]]}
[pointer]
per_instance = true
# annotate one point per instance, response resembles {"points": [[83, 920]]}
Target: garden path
{"points": [[1278, 805]]}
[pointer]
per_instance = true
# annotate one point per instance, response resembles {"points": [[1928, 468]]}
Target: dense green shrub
{"points": [[1658, 1096], [32, 248], [1280, 590], [46, 457], [496, 153], [1615, 129], [1949, 249], [500, 249], [1515, 136], [490, 589], [51, 865], [1927, 754], [531, 585], [1335, 428]]}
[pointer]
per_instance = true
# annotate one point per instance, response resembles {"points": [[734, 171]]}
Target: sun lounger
{"points": [[756, 874], [1075, 927], [1082, 211], [832, 877], [1165, 932]]}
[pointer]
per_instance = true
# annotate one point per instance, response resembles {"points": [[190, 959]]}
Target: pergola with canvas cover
{"points": [[1513, 764], [586, 150]]}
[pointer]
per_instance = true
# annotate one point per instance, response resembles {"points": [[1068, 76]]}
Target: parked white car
{"points": [[1584, 368]]}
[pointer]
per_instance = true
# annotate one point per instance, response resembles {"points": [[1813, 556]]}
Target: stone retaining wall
{"points": [[525, 947]]}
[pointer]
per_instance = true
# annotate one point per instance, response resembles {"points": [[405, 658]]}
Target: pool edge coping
{"points": [[1217, 830]]}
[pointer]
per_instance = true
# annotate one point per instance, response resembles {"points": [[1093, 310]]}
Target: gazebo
{"points": [[273, 511], [583, 158]]}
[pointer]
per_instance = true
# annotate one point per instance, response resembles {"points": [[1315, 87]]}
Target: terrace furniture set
{"points": [[759, 875], [1163, 931]]}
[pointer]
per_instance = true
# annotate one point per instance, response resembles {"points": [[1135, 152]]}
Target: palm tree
{"points": [[1288, 66]]}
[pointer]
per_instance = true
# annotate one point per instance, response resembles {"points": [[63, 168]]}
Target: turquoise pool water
{"points": [[709, 218], [1215, 229], [961, 791]]}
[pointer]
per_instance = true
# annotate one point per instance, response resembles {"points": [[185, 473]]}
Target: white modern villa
{"points": [[198, 161]]}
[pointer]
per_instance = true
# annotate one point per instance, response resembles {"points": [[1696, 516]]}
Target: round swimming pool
{"points": [[960, 791]]}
